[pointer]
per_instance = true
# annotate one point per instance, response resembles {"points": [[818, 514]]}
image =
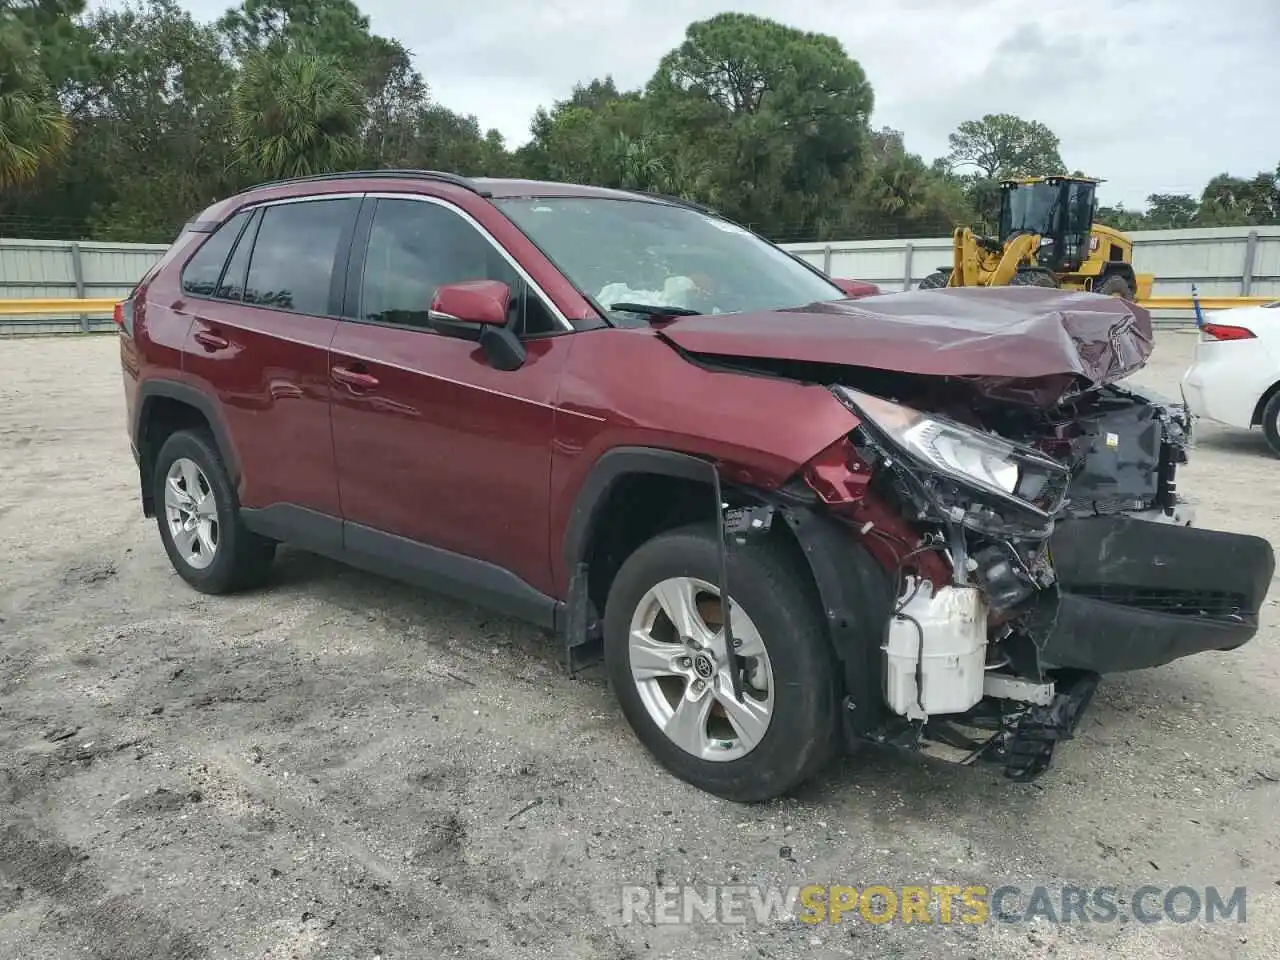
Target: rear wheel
{"points": [[1033, 278], [936, 280], [668, 663], [199, 518], [1271, 423], [1115, 285]]}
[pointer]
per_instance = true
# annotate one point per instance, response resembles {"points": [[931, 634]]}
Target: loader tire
{"points": [[936, 280], [1033, 278], [1116, 285]]}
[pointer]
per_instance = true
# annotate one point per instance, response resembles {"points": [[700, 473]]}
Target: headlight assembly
{"points": [[954, 463]]}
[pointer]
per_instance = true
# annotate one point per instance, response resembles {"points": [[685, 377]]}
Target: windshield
{"points": [[1029, 207], [642, 253]]}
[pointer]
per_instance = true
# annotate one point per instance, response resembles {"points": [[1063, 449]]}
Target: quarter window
{"points": [[415, 247], [294, 253], [231, 287], [200, 275]]}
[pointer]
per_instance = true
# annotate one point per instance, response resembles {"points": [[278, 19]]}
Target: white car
{"points": [[1235, 376]]}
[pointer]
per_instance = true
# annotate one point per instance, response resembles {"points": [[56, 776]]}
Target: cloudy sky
{"points": [[1155, 96]]}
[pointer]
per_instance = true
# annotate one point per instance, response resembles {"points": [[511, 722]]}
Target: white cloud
{"points": [[1155, 96]]}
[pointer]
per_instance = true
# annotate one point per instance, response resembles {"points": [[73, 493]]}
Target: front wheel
{"points": [[667, 659], [936, 280]]}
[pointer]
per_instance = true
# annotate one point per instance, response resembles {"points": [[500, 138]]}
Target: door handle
{"points": [[354, 378], [210, 340]]}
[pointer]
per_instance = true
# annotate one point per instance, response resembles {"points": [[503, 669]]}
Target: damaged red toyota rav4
{"points": [[790, 520]]}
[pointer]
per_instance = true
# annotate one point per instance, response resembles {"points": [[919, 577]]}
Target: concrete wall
{"points": [[1222, 261]]}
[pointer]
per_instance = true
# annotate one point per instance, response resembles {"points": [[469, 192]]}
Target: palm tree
{"points": [[34, 132], [296, 112]]}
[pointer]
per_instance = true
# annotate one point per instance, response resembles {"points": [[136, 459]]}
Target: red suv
{"points": [[792, 521]]}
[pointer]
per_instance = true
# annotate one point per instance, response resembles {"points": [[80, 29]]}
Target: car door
{"points": [[442, 459], [260, 343]]}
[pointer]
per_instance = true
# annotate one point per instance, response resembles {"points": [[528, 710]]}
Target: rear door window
{"points": [[292, 265], [201, 274]]}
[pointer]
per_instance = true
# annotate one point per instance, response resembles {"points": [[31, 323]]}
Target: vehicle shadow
{"points": [[909, 787], [354, 590], [1228, 440], [297, 568]]}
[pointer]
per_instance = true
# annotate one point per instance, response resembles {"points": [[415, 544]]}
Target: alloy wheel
{"points": [[683, 670], [192, 513]]}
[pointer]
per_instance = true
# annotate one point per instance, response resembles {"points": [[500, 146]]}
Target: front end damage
{"points": [[1021, 499], [1030, 552]]}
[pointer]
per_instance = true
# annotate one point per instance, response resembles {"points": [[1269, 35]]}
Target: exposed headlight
{"points": [[980, 462]]}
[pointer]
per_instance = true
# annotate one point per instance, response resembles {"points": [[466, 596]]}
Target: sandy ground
{"points": [[340, 766]]}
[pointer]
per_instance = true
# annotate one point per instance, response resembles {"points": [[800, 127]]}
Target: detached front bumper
{"points": [[1135, 594]]}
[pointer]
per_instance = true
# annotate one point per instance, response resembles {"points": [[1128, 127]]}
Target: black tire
{"points": [[1033, 278], [936, 280], [242, 559], [1271, 423], [1116, 285], [803, 731]]}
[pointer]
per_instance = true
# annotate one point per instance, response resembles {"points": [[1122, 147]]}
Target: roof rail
{"points": [[434, 175], [680, 202]]}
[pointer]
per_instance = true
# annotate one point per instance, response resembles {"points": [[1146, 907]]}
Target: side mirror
{"points": [[478, 310], [855, 288], [462, 309]]}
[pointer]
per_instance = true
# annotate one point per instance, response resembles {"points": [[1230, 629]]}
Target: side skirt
{"points": [[465, 578]]}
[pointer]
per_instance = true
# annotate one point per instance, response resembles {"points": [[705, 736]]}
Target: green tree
{"points": [[1002, 145], [1170, 211], [775, 118], [394, 105], [1120, 218], [901, 196], [336, 27], [446, 140], [295, 112], [153, 143], [34, 132], [54, 29], [401, 126], [580, 122], [1236, 201]]}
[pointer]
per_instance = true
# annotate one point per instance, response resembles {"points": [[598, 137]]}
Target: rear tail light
{"points": [[1225, 331], [123, 316]]}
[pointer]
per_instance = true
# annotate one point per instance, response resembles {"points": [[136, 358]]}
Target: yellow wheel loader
{"points": [[1047, 239]]}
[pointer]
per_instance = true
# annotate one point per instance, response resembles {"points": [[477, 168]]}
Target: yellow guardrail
{"points": [[56, 306], [1206, 303], [70, 306]]}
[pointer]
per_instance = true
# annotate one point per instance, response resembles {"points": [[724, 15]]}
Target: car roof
{"points": [[502, 188], [494, 188]]}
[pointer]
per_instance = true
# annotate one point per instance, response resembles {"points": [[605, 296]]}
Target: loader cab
{"points": [[1059, 210]]}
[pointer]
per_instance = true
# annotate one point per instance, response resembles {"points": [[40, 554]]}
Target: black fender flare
{"points": [[150, 390], [612, 466], [857, 602]]}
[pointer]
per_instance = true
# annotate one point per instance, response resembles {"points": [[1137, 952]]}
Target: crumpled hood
{"points": [[1027, 344]]}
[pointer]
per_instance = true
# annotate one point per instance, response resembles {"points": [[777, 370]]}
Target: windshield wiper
{"points": [[655, 310]]}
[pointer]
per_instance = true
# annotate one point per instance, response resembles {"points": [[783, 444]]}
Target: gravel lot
{"points": [[344, 767]]}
